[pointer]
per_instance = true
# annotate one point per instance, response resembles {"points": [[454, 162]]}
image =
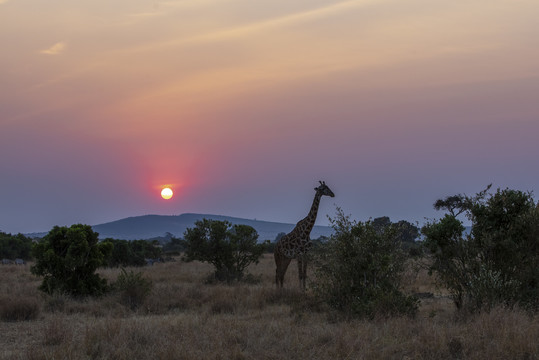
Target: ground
{"points": [[186, 318]]}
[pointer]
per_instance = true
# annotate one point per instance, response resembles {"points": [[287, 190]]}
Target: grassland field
{"points": [[184, 317]]}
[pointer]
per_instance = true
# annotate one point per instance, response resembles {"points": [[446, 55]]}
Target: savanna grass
{"points": [[183, 318], [19, 309]]}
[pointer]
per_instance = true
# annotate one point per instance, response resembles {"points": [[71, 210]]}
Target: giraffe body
{"points": [[297, 243]]}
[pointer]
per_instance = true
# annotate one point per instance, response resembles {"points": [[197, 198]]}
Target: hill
{"points": [[153, 226]]}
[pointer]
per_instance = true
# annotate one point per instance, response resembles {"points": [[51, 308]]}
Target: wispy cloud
{"points": [[56, 49], [276, 22], [288, 19]]}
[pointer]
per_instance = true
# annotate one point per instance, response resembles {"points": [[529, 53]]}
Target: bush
{"points": [[133, 287], [496, 263], [132, 253], [229, 248], [67, 259], [15, 246], [359, 270]]}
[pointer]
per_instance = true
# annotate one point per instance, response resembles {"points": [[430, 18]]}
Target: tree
{"points": [[67, 258], [455, 204], [406, 232], [122, 254], [497, 262], [174, 246], [358, 270], [452, 256], [15, 246], [229, 248], [380, 224], [132, 252], [143, 249]]}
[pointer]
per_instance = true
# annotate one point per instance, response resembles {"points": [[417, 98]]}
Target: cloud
{"points": [[55, 49], [288, 19], [272, 23]]}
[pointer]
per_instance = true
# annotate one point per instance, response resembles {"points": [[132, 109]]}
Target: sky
{"points": [[242, 107]]}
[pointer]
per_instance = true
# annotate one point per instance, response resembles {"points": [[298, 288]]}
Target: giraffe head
{"points": [[324, 189]]}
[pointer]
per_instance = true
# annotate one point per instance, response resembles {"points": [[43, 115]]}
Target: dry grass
{"points": [[183, 318], [18, 309]]}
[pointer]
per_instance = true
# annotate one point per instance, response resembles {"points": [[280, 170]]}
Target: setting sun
{"points": [[166, 193]]}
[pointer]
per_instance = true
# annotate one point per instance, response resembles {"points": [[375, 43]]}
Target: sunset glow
{"points": [[393, 103]]}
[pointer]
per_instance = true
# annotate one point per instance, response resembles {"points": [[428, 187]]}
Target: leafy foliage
{"points": [[15, 246], [67, 259], [452, 257], [406, 233], [174, 246], [229, 248], [132, 252], [497, 262], [359, 270]]}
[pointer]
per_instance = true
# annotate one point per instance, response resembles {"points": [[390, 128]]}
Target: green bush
{"points": [[132, 252], [359, 270], [496, 263], [133, 287], [15, 246], [67, 259], [229, 248]]}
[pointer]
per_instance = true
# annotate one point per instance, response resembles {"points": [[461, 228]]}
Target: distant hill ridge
{"points": [[154, 226], [151, 226]]}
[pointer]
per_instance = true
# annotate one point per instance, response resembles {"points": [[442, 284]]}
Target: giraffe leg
{"points": [[282, 263], [302, 271], [284, 267]]}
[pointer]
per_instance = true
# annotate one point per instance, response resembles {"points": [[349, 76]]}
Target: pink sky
{"points": [[243, 106]]}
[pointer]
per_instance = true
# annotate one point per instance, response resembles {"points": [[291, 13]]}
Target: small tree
{"points": [[452, 256], [359, 270], [497, 262], [15, 246], [122, 254], [229, 248], [406, 232], [174, 246], [67, 259]]}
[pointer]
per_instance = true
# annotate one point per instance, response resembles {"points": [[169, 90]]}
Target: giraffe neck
{"points": [[311, 217]]}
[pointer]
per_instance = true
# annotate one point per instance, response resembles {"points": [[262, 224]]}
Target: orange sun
{"points": [[166, 193]]}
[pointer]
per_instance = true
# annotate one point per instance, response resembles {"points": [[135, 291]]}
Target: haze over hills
{"points": [[153, 226]]}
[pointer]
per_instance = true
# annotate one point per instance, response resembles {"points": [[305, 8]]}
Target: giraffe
{"points": [[297, 243]]}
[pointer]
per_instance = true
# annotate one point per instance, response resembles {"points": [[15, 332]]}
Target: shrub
{"points": [[229, 248], [67, 258], [359, 270], [496, 263], [132, 252], [15, 246], [133, 287]]}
